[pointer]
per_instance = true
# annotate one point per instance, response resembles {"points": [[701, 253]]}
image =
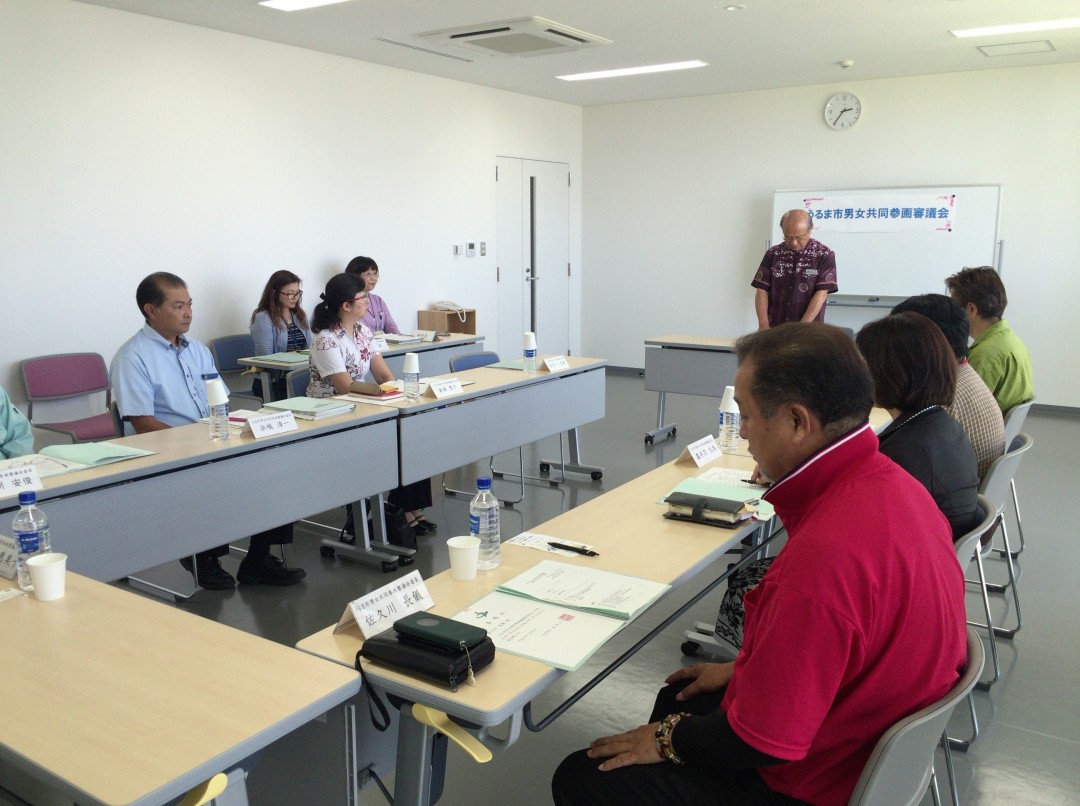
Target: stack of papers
{"points": [[288, 359], [312, 408], [560, 614], [56, 459], [402, 338]]}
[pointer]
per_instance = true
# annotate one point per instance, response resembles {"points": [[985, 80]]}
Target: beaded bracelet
{"points": [[663, 737]]}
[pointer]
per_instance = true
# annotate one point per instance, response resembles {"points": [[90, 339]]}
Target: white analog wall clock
{"points": [[843, 110]]}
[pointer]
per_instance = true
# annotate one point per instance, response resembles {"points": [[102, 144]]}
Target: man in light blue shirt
{"points": [[16, 438], [158, 379]]}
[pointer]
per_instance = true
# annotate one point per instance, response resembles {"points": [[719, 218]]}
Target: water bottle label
{"points": [[474, 524], [530, 353], [29, 542]]}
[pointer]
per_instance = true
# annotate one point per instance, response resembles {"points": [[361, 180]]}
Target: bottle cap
{"points": [[30, 497], [483, 483], [412, 363]]}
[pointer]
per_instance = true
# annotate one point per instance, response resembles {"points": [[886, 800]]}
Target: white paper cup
{"points": [[47, 575], [529, 342], [412, 363], [464, 555], [216, 392], [727, 402]]}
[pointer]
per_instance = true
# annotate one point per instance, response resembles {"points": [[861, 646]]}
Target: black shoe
{"points": [[429, 525], [268, 570], [211, 575], [420, 528]]}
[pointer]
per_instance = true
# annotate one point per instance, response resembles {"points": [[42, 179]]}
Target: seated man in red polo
{"points": [[859, 621]]}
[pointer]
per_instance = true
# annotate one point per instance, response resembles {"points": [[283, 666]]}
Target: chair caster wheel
{"points": [[545, 467], [388, 566], [326, 551], [648, 439], [596, 475], [673, 432], [406, 560], [690, 648]]}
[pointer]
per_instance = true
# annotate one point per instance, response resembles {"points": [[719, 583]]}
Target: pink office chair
{"points": [[66, 376]]}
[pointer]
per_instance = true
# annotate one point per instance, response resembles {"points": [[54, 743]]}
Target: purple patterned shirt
{"points": [[791, 278]]}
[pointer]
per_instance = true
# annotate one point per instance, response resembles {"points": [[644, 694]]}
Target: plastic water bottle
{"points": [[31, 529], [484, 524], [529, 352], [218, 399], [729, 431]]}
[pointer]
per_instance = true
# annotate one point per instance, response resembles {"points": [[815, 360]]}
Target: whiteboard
{"points": [[894, 243]]}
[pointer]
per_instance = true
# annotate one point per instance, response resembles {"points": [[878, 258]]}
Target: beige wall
{"points": [[678, 197], [130, 144]]}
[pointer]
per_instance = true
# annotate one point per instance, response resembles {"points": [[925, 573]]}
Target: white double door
{"points": [[533, 254]]}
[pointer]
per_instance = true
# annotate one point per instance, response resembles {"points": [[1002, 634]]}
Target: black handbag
{"points": [[430, 660]]}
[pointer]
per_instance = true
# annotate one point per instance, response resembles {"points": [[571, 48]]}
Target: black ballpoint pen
{"points": [[575, 549]]}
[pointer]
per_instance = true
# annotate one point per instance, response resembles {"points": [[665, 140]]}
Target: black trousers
{"points": [[271, 537], [578, 782]]}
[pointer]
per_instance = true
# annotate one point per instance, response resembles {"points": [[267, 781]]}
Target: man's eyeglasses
{"points": [[291, 294]]}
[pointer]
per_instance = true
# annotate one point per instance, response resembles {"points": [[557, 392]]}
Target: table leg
{"points": [[415, 756], [574, 465], [661, 430]]}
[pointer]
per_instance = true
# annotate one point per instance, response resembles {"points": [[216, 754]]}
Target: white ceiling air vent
{"points": [[529, 36]]}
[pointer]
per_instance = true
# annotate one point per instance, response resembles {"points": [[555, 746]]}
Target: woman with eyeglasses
{"points": [[378, 316], [340, 354], [279, 324]]}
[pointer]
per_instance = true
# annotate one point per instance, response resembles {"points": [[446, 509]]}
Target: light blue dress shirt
{"points": [[154, 378], [16, 438]]}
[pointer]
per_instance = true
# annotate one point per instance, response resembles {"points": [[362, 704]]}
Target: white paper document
{"points": [[575, 586], [558, 636]]}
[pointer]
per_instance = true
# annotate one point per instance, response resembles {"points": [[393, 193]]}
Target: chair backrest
{"points": [[117, 420], [461, 363], [967, 545], [296, 382], [226, 349], [1014, 421], [901, 763], [997, 482], [57, 377]]}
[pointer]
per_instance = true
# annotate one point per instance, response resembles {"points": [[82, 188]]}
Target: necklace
{"points": [[913, 416]]}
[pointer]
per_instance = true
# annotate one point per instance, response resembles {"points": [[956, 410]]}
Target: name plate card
{"points": [[701, 452], [265, 425], [9, 551], [378, 610], [439, 388], [17, 480], [379, 345], [556, 362]]}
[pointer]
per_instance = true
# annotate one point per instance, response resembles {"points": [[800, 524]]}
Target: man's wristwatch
{"points": [[663, 737]]}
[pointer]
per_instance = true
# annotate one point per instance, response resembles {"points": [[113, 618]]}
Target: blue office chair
{"points": [[296, 382], [226, 349]]}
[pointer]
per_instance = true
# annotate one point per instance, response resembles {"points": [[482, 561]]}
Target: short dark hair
{"points": [[339, 289], [360, 264], [151, 290], [980, 286], [813, 364], [909, 360], [946, 313]]}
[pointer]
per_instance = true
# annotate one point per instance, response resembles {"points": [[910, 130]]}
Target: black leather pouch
{"points": [[430, 661]]}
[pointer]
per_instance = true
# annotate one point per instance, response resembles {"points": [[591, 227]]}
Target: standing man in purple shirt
{"points": [[795, 276]]}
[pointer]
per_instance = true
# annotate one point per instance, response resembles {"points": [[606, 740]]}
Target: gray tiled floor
{"points": [[1029, 750]]}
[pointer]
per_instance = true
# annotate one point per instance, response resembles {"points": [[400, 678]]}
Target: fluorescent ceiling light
{"points": [[635, 71], [1019, 28], [298, 5]]}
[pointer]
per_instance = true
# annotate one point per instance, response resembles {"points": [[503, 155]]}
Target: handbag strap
{"points": [[374, 701]]}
